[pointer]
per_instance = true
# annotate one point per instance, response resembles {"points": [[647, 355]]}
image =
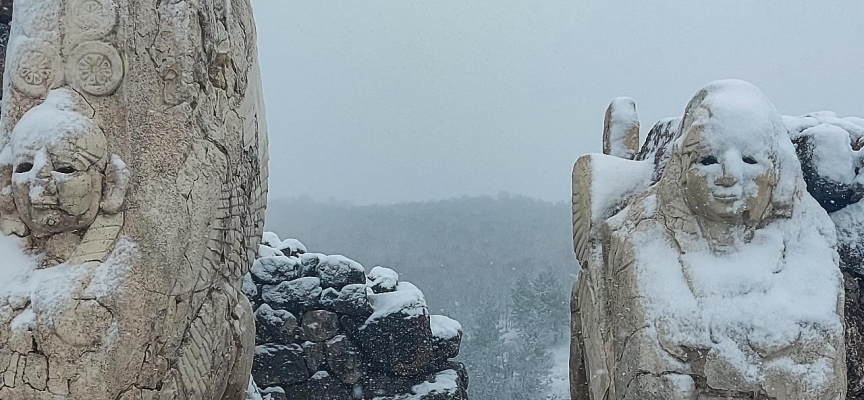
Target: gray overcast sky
{"points": [[383, 101]]}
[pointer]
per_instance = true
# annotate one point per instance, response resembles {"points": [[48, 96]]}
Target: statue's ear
{"points": [[10, 223], [115, 185]]}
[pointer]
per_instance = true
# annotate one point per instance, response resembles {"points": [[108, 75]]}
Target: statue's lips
{"points": [[49, 209], [46, 206], [725, 197]]}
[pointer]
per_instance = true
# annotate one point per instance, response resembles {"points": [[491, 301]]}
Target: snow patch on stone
{"points": [[292, 245], [407, 300], [621, 180], [444, 383], [445, 327], [384, 278], [109, 275], [267, 251], [270, 239]]}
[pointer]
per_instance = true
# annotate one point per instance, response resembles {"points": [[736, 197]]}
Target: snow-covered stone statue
{"points": [[132, 189], [716, 278]]}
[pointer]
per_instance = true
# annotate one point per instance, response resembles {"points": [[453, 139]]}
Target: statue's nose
{"points": [[47, 184], [49, 189], [726, 179], [44, 172]]}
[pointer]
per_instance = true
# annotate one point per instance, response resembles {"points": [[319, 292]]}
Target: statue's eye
{"points": [[710, 160], [23, 167], [749, 160], [64, 170]]}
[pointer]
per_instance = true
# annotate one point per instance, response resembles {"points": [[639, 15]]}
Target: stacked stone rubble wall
{"points": [[329, 329]]}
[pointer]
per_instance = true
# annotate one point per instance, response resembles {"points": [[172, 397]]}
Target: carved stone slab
{"points": [[133, 183]]}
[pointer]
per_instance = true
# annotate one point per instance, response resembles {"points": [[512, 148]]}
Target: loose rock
{"points": [[295, 296], [338, 271], [279, 365], [343, 359], [319, 325], [275, 270], [274, 326]]}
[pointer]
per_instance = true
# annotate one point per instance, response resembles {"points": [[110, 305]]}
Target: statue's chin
{"points": [[718, 211], [54, 220]]}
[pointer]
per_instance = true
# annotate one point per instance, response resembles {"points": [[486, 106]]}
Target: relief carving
{"points": [[64, 183], [95, 68], [95, 18], [129, 219], [35, 66]]}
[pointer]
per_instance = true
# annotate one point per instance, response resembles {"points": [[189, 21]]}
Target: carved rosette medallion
{"points": [[95, 68], [35, 66], [96, 18]]}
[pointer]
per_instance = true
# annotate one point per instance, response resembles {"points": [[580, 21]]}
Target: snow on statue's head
{"points": [[58, 158], [60, 176], [730, 163]]}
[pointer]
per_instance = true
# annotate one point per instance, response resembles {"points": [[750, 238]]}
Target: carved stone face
{"points": [[57, 179], [727, 181]]}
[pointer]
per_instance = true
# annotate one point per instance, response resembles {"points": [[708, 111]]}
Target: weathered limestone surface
{"points": [[707, 270], [133, 170]]}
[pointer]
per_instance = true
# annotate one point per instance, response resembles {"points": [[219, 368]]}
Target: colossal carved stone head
{"points": [[59, 157], [725, 164], [60, 173], [726, 181]]}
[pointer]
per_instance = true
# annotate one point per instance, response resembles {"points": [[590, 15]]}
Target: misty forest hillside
{"points": [[456, 250], [502, 266]]}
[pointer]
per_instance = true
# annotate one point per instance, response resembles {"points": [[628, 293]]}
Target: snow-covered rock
{"points": [[295, 296], [338, 271], [446, 336], [382, 280], [397, 336], [351, 300], [291, 246], [444, 385], [252, 391], [334, 332], [274, 326], [275, 269]]}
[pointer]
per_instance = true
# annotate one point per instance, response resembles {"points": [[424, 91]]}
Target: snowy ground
{"points": [[560, 387]]}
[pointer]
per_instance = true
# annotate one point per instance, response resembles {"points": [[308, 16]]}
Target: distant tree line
{"points": [[502, 266]]}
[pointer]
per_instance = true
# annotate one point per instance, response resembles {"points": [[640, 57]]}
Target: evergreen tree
{"points": [[483, 353], [540, 315]]}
